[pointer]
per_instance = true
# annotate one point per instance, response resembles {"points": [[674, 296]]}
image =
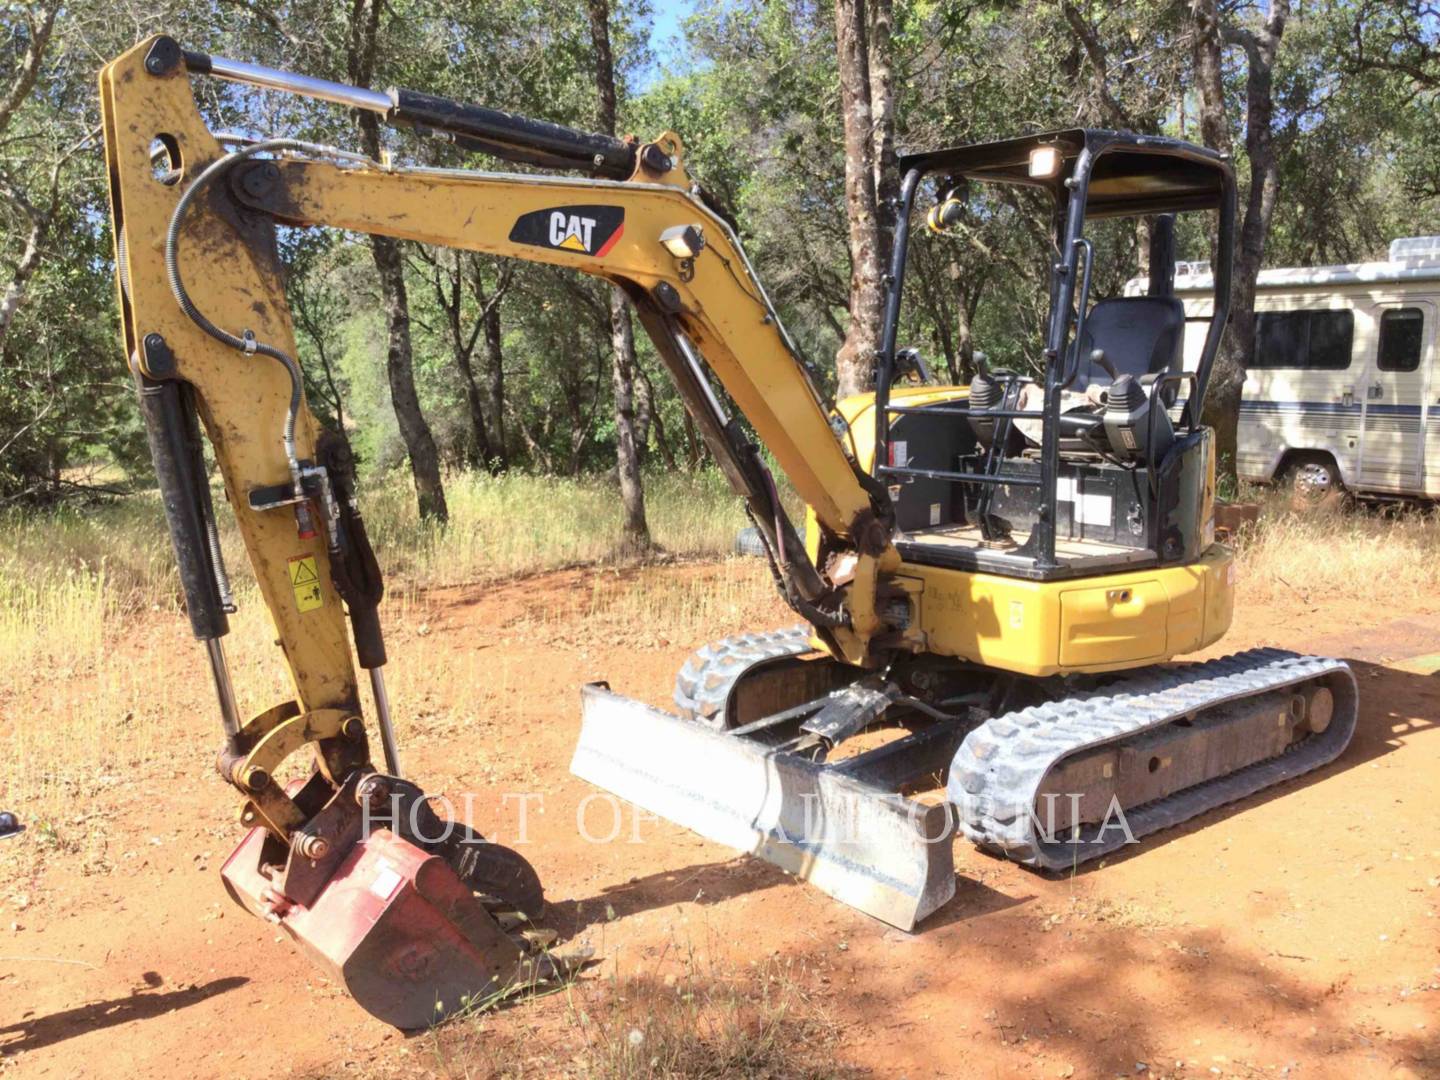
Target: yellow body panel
{"points": [[242, 400], [859, 413], [1107, 623]]}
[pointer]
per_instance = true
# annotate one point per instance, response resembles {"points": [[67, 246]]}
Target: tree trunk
{"points": [[495, 389], [400, 370], [965, 345], [390, 267], [40, 25], [24, 271], [656, 424], [447, 279], [481, 452], [627, 458], [855, 361], [1227, 380], [622, 334], [644, 412], [882, 113]]}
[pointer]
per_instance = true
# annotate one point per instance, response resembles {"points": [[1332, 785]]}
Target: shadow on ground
{"points": [[32, 1033]]}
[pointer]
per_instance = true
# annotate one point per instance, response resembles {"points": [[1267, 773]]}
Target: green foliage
{"points": [[754, 95]]}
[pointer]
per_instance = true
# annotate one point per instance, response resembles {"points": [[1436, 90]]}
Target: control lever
{"points": [[1097, 356]]}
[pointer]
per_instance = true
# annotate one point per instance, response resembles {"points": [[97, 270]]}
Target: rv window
{"points": [[1282, 339], [1331, 333], [1303, 339], [1401, 338]]}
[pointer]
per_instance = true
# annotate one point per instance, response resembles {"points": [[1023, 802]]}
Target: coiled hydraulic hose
{"points": [[245, 341]]}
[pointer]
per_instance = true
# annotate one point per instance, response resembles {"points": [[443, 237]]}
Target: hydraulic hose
{"points": [[245, 341]]}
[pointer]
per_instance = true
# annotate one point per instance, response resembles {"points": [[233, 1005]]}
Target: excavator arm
{"points": [[210, 342], [653, 233], [707, 306]]}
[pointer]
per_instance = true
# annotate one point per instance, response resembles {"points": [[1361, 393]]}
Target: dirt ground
{"points": [[1292, 935]]}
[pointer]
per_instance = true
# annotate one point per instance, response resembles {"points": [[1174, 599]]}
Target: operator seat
{"points": [[1140, 335]]}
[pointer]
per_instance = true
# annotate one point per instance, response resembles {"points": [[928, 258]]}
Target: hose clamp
{"points": [[249, 342]]}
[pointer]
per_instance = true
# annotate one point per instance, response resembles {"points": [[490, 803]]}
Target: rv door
{"points": [[1395, 389]]}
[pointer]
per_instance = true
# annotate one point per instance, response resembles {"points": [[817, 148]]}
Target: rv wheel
{"points": [[1314, 484]]}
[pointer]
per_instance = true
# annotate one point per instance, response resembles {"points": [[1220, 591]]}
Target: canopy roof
{"points": [[1130, 174]]}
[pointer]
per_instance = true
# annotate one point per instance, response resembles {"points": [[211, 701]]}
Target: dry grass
{"points": [[703, 1022], [1374, 555], [81, 706], [514, 524]]}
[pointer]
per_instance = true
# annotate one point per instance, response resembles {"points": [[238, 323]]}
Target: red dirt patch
{"points": [[1294, 934]]}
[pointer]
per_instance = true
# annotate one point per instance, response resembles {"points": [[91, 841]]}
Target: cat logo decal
{"points": [[585, 230]]}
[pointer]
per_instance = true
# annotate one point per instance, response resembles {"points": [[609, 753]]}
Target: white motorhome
{"points": [[1340, 393]]}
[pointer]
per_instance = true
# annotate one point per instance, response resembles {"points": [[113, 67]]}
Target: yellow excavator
{"points": [[992, 579]]}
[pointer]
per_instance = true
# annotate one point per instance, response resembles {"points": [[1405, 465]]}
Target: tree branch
{"points": [[269, 19], [24, 80], [1095, 51]]}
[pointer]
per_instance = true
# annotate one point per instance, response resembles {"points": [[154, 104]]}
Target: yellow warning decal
{"points": [[306, 583]]}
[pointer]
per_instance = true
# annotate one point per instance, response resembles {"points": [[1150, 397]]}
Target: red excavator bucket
{"points": [[391, 923]]}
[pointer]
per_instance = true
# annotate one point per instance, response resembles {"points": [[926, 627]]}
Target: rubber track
{"points": [[998, 769], [703, 685]]}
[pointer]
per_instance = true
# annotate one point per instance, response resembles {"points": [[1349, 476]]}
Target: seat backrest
{"points": [[1141, 335]]}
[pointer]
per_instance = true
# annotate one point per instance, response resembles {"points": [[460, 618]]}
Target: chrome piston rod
{"points": [[224, 689], [491, 131], [382, 717], [355, 97]]}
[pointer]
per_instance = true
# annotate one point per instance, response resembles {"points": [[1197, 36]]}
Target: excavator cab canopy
{"points": [[1128, 175], [1042, 463]]}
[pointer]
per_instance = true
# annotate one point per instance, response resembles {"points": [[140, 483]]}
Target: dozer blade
{"points": [[842, 827]]}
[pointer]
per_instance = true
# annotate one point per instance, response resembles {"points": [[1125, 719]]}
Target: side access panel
{"points": [[1058, 627]]}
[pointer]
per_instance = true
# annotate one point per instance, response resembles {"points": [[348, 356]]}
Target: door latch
{"points": [[1377, 390], [1347, 398]]}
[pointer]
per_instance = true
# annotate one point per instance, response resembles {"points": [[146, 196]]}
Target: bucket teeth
{"points": [[540, 937], [509, 920]]}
